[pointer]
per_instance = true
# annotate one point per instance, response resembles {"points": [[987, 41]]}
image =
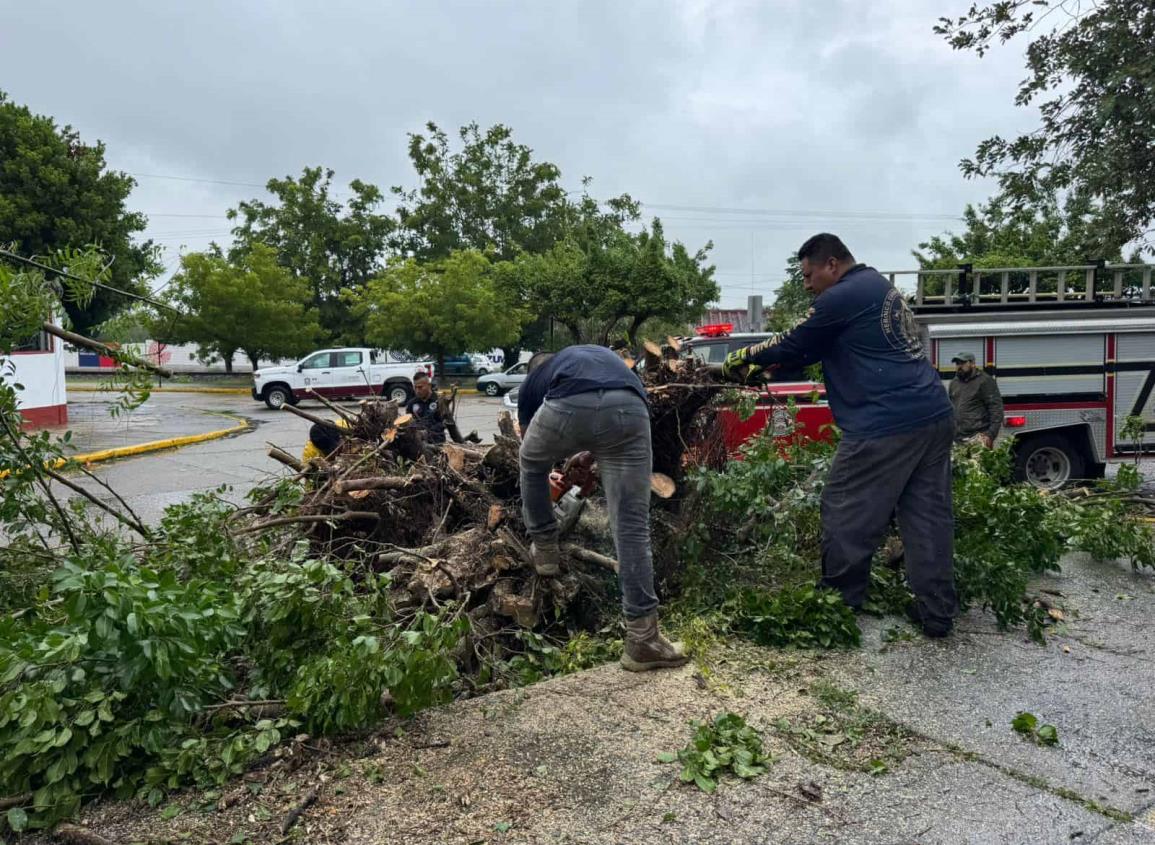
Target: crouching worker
{"points": [[585, 398], [323, 440]]}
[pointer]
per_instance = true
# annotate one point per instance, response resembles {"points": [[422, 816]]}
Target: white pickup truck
{"points": [[337, 374]]}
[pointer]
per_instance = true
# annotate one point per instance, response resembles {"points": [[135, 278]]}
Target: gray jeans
{"points": [[871, 479], [615, 426]]}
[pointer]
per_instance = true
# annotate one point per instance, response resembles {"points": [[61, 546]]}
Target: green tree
{"points": [[247, 303], [1000, 234], [491, 195], [1096, 140], [57, 193], [328, 245], [439, 308], [603, 281], [792, 301]]}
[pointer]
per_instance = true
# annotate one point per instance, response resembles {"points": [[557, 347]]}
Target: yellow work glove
{"points": [[737, 367]]}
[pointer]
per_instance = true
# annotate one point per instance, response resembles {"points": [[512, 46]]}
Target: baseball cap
{"points": [[963, 356]]}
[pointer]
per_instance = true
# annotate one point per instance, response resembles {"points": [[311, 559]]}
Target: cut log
{"points": [[454, 456], [278, 454], [88, 343], [384, 482], [674, 343], [578, 553], [305, 415], [496, 517], [662, 486]]}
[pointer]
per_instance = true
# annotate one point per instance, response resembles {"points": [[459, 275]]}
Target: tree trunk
{"points": [[575, 330], [441, 364], [227, 357], [254, 359], [632, 331]]}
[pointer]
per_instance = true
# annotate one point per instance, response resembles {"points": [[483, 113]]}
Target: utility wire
{"points": [[65, 274]]}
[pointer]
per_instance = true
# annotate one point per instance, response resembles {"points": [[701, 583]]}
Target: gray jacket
{"points": [[978, 405]]}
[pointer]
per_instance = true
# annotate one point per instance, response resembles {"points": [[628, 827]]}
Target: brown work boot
{"points": [[646, 648], [546, 555]]}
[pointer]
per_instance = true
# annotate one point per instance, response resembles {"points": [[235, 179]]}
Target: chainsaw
{"points": [[569, 489]]}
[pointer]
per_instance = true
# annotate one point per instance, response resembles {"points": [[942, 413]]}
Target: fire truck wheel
{"points": [[1048, 461]]}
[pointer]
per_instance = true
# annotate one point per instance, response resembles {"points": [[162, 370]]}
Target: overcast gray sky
{"points": [[812, 115]]}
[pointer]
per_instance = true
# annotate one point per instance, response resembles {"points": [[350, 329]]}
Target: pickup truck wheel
{"points": [[492, 389], [398, 393], [1048, 461], [276, 397], [482, 372]]}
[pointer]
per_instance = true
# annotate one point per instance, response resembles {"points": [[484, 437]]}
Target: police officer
{"points": [[423, 407], [897, 429]]}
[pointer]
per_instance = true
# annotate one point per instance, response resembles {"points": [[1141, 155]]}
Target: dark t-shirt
{"points": [[878, 379], [574, 370], [427, 416]]}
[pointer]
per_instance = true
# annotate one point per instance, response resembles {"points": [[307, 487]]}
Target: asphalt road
{"points": [[153, 481]]}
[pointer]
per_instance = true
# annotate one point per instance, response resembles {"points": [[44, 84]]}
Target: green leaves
{"points": [[439, 307], [1027, 724], [247, 302], [803, 617], [726, 744]]}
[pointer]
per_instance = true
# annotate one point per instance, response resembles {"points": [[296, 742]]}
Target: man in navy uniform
{"points": [[897, 429]]}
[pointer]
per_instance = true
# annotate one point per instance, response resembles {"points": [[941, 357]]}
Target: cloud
{"points": [[791, 106]]}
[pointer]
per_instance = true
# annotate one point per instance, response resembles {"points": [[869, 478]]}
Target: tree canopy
{"points": [[246, 302], [601, 280], [327, 245], [439, 307], [491, 195], [998, 234], [1096, 141], [56, 193]]}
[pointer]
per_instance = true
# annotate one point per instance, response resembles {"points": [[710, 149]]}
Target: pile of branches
{"points": [[445, 521]]}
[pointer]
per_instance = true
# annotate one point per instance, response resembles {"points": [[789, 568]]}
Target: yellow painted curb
{"points": [[159, 445], [237, 391]]}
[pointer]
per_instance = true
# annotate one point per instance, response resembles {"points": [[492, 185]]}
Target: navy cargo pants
{"points": [[871, 479]]}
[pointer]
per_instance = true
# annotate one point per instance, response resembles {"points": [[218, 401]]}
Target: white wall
{"points": [[41, 374], [178, 358]]}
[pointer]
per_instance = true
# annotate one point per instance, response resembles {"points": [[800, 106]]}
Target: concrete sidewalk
{"points": [[97, 434]]}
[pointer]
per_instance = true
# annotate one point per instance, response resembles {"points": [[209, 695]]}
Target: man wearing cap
{"points": [[978, 405]]}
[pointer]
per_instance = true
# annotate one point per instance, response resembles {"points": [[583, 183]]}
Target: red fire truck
{"points": [[1072, 349]]}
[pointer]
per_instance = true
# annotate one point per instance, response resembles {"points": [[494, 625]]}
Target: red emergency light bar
{"points": [[1016, 422], [716, 329]]}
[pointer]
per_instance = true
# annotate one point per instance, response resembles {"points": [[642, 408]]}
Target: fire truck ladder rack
{"points": [[1066, 286]]}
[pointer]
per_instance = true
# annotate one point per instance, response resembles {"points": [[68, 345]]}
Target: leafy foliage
{"points": [[118, 677], [725, 744], [489, 196], [440, 307], [804, 617], [326, 245], [248, 302], [56, 193], [1095, 140], [755, 543], [600, 280]]}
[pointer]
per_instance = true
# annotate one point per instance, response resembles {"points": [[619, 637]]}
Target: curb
{"points": [[238, 391], [159, 445]]}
